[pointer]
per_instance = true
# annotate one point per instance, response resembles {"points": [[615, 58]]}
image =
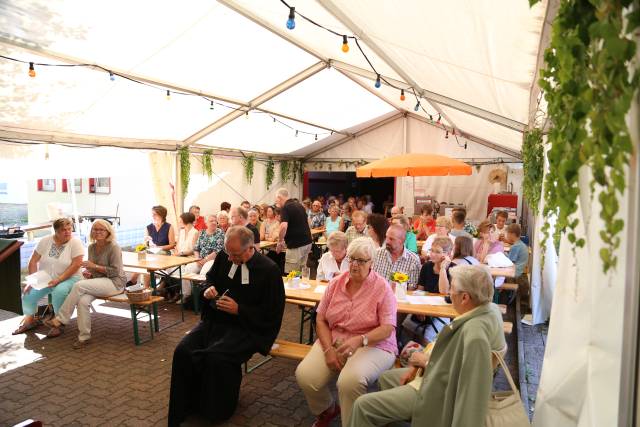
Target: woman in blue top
{"points": [[159, 234], [333, 222]]}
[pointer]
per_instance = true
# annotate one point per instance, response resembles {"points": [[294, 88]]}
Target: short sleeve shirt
{"points": [[256, 233], [56, 259], [428, 278], [298, 232], [408, 263], [208, 243], [373, 305]]}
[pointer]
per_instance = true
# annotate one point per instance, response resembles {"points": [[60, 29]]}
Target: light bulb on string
{"points": [[345, 44], [465, 145], [168, 95], [402, 97], [453, 132], [246, 114], [316, 137], [212, 106], [111, 76], [291, 22], [446, 135], [296, 133], [417, 107], [378, 83], [430, 117], [274, 120], [32, 71], [439, 117]]}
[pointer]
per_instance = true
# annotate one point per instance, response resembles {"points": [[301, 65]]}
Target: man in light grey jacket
{"points": [[450, 383]]}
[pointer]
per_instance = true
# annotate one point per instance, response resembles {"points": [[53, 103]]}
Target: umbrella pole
{"points": [[413, 196]]}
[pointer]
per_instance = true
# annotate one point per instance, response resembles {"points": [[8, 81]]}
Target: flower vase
{"points": [[294, 283], [401, 290], [142, 255]]}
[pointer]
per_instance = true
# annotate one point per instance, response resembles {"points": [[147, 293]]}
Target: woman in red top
{"points": [[199, 223], [425, 225]]}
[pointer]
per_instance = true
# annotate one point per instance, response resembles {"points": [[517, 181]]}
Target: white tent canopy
{"points": [[473, 62]]}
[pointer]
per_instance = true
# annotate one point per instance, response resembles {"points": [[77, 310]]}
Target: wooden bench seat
{"points": [[290, 350], [300, 302], [508, 287], [137, 308]]}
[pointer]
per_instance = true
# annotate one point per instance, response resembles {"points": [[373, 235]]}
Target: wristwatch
{"points": [[365, 341]]}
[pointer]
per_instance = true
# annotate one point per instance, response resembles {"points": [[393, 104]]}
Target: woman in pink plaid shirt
{"points": [[356, 340]]}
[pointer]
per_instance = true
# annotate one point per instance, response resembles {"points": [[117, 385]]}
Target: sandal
{"points": [[80, 344], [24, 327], [55, 332]]}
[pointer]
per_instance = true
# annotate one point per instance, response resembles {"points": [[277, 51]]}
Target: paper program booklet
{"points": [[38, 280]]}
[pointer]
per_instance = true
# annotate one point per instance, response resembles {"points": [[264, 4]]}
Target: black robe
{"points": [[206, 371]]}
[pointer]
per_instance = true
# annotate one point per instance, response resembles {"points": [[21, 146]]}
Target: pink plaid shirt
{"points": [[373, 305]]}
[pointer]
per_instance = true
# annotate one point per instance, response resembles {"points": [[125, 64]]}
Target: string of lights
{"points": [[212, 102], [379, 77]]}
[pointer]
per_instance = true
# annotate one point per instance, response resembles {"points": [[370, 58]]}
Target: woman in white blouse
{"points": [[334, 261], [186, 243]]}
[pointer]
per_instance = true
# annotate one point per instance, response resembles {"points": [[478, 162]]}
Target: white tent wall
{"points": [[229, 184], [580, 381], [421, 137]]}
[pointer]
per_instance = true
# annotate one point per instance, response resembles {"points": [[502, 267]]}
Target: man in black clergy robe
{"points": [[241, 315]]}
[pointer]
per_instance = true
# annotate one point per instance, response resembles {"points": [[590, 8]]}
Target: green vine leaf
{"points": [[284, 171], [247, 165], [185, 168], [269, 173], [533, 167], [589, 88], [207, 163]]}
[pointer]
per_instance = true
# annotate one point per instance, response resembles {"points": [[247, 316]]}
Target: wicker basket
{"points": [[139, 296]]}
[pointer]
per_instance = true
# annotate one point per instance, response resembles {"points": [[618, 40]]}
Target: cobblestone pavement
{"points": [[113, 382]]}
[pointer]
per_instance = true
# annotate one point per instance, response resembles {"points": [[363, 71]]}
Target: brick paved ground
{"points": [[113, 382]]}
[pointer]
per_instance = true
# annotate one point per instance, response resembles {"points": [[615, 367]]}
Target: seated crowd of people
{"points": [[358, 328]]}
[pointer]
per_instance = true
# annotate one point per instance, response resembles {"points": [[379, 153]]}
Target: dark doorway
{"points": [[381, 190]]}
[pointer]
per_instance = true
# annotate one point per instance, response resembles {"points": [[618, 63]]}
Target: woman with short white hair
{"points": [[356, 340], [223, 221], [334, 261], [103, 276]]}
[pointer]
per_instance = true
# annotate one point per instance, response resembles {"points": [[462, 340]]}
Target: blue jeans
{"points": [[58, 295]]}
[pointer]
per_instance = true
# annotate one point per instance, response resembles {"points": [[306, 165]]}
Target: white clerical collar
{"points": [[244, 272]]}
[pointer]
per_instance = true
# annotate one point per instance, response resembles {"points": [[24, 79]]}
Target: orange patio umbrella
{"points": [[414, 164]]}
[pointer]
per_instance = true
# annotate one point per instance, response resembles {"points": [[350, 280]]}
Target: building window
{"points": [[46, 185], [100, 185], [77, 182]]}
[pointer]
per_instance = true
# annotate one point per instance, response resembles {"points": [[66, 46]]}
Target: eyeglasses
{"points": [[435, 251], [358, 261]]}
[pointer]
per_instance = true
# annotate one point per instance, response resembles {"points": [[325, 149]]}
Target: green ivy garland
{"points": [[589, 89], [269, 173], [533, 168], [247, 165], [207, 163], [185, 168], [284, 171], [296, 170]]}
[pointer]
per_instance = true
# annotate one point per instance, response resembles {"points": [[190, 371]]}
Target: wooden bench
{"points": [[290, 350], [508, 287], [136, 309]]}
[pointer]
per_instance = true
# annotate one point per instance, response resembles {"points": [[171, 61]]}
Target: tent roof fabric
{"points": [[475, 71], [414, 164]]}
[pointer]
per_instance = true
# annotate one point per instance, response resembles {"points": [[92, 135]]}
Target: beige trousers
{"points": [[296, 258], [81, 296], [194, 267], [361, 370]]}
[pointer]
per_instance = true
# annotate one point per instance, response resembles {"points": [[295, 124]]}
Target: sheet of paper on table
{"points": [[38, 280], [320, 289], [426, 300]]}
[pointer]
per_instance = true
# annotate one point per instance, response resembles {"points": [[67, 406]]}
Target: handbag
{"points": [[505, 407]]}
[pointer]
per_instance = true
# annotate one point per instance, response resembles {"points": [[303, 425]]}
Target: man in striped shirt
{"points": [[394, 257]]}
